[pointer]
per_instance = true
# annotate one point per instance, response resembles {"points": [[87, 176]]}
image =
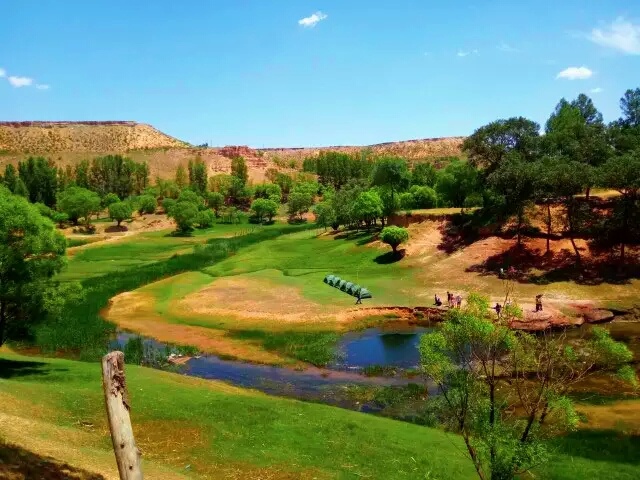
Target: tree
{"points": [[198, 176], [147, 204], [622, 173], [31, 253], [515, 179], [205, 219], [368, 207], [10, 178], [79, 203], [82, 174], [546, 192], [181, 177], [424, 174], [299, 203], [41, 179], [109, 199], [272, 191], [485, 371], [264, 208], [569, 179], [325, 212], [394, 236], [215, 200], [140, 177], [630, 106], [391, 173], [576, 133], [239, 169], [456, 182], [21, 189], [185, 214], [120, 211], [489, 145], [335, 169], [424, 197]]}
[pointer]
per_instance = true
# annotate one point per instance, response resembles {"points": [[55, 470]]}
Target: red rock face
{"points": [[250, 155]]}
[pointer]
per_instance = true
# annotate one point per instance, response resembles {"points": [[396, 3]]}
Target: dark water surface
{"points": [[394, 347]]}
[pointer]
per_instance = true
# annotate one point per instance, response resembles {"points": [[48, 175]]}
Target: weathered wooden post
{"points": [[117, 402]]}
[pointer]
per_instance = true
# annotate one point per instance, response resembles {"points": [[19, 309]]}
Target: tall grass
{"points": [[83, 333]]}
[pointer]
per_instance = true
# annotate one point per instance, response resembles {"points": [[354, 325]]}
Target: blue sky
{"points": [[354, 72]]}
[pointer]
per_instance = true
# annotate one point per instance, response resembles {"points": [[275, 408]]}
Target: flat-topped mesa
{"points": [[49, 124], [114, 136]]}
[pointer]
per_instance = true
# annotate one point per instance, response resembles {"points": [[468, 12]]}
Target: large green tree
{"points": [[368, 207], [490, 144], [576, 133], [41, 179], [391, 173], [120, 211], [31, 252], [239, 169], [515, 179], [198, 176], [456, 182], [622, 173], [79, 203]]}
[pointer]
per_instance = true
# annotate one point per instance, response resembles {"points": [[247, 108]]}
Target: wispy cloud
{"points": [[312, 20], [596, 90], [505, 47], [463, 53], [3, 72], [18, 82], [42, 86], [620, 35], [575, 73]]}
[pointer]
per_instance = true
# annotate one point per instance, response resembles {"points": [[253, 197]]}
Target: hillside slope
{"points": [[67, 143], [49, 137]]}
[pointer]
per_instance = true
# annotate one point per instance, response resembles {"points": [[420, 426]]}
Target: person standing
{"points": [[539, 303]]}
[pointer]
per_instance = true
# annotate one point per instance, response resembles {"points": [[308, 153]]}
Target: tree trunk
{"points": [[116, 399], [625, 228], [3, 321], [520, 215], [548, 228], [587, 193], [570, 219]]}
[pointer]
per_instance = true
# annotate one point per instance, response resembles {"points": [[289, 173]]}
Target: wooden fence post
{"points": [[115, 394]]}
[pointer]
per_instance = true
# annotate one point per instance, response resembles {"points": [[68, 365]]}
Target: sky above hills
{"points": [[322, 72]]}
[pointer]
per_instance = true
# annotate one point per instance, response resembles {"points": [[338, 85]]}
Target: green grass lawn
{"points": [[213, 427], [226, 432]]}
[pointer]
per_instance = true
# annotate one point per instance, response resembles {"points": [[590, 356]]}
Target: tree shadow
{"points": [[456, 236], [601, 445], [527, 265], [180, 234], [116, 229], [390, 257], [16, 462], [20, 368], [362, 237]]}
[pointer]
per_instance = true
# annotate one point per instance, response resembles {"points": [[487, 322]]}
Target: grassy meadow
{"points": [[192, 428]]}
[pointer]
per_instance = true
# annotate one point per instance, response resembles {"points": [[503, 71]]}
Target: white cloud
{"points": [[312, 20], [575, 73], [621, 35], [505, 47], [20, 81], [41, 86], [3, 72], [462, 53], [596, 90]]}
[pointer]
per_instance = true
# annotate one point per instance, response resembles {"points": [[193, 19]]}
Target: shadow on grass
{"points": [[362, 237], [601, 445], [19, 368], [390, 257], [116, 229], [16, 462], [180, 234]]}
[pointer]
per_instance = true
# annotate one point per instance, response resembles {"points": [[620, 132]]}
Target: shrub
{"points": [[424, 197], [264, 208], [407, 201], [147, 204], [394, 236], [205, 219], [167, 203], [120, 211], [109, 199], [185, 214]]}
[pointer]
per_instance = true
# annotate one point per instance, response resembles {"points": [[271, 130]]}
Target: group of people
{"points": [[452, 300]]}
